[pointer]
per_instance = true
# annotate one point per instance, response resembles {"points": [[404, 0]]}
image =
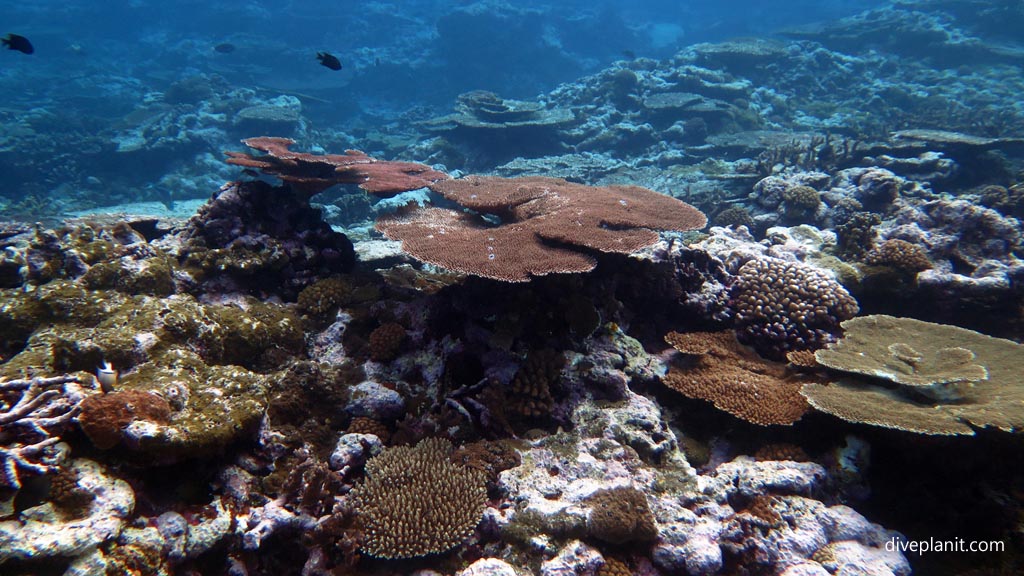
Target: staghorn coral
{"points": [[782, 306], [547, 225], [415, 501], [313, 173], [619, 515], [942, 370], [901, 255], [734, 379]]}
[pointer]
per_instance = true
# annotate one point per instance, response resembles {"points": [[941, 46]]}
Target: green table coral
{"points": [[935, 378]]}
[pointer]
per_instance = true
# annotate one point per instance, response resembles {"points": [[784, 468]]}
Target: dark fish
{"points": [[629, 55], [19, 43], [329, 60], [225, 48]]}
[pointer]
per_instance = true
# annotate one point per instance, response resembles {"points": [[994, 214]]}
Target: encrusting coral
{"points": [[547, 225], [735, 379], [952, 378], [415, 501]]}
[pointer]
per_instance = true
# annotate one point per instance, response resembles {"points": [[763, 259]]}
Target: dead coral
{"points": [[734, 379]]}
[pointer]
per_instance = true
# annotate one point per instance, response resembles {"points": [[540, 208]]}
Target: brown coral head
{"points": [[901, 255], [386, 341], [619, 515], [103, 417]]}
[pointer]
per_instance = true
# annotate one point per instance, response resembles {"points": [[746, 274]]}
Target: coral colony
{"points": [[699, 316]]}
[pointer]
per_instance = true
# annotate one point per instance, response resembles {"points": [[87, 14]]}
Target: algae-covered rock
{"points": [[203, 360]]}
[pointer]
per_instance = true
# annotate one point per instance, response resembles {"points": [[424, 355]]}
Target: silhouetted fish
{"points": [[225, 48], [19, 43], [329, 60], [629, 55]]}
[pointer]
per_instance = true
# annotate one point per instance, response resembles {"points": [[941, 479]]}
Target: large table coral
{"points": [[314, 173], [545, 225], [950, 378]]}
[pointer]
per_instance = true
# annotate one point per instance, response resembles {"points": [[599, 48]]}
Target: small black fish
{"points": [[329, 60], [19, 43], [629, 55], [225, 48]]}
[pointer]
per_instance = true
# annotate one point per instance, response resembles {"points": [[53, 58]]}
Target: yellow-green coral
{"points": [[943, 369]]}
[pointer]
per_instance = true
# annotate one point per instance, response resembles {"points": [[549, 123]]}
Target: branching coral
{"points": [[547, 225], [415, 501], [941, 371]]}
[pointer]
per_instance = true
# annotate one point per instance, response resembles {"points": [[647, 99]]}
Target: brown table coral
{"points": [[735, 379], [545, 225], [315, 173]]}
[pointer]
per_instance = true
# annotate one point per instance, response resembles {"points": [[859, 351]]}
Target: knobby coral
{"points": [[782, 306], [415, 501], [546, 225], [734, 379], [313, 173], [949, 378]]}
